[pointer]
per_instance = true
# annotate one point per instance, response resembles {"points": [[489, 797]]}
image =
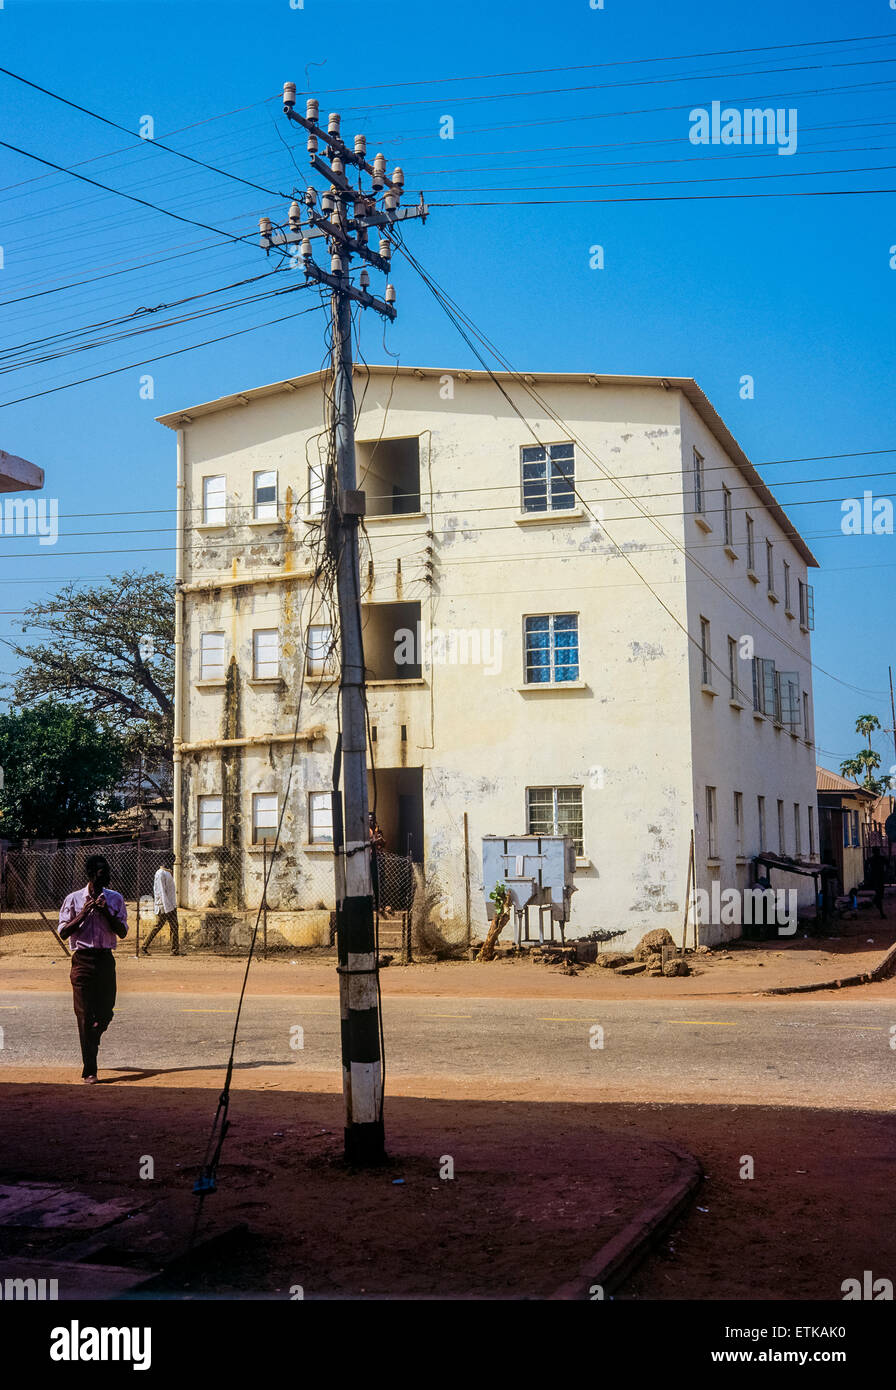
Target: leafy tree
{"points": [[60, 771], [108, 650]]}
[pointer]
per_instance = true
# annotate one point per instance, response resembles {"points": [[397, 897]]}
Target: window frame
{"points": [[782, 829], [712, 836], [265, 632], [257, 513], [699, 482], [705, 651], [218, 507], [727, 517], [217, 674], [760, 811], [739, 824], [770, 564], [555, 808], [751, 544], [733, 682], [313, 837], [552, 663], [201, 809], [319, 665], [566, 483], [797, 831], [257, 797]]}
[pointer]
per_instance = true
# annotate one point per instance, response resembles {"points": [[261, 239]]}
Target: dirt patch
{"points": [[537, 1189]]}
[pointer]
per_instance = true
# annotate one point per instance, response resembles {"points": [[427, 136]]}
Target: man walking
{"points": [[166, 909], [96, 917]]}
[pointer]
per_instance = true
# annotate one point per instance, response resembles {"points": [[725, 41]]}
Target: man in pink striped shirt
{"points": [[96, 917]]}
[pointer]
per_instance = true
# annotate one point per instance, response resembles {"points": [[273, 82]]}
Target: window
{"points": [[760, 806], [211, 656], [319, 651], [211, 820], [797, 831], [786, 586], [739, 824], [726, 513], [320, 818], [788, 699], [806, 605], [751, 545], [214, 501], [711, 845], [704, 652], [809, 813], [850, 829], [264, 816], [698, 482], [265, 653], [732, 669], [552, 649], [782, 838], [770, 565], [806, 734], [316, 487], [264, 494], [765, 687], [556, 811], [548, 477]]}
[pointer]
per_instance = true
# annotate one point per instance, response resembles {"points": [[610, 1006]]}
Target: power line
{"points": [[160, 357], [158, 145], [105, 188]]}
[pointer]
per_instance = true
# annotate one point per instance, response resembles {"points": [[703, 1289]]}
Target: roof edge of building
{"points": [[688, 386]]}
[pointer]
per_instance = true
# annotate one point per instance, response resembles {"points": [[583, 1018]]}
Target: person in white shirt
{"points": [[166, 910]]}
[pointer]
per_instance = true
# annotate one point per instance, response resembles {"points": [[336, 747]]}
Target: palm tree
{"points": [[865, 725]]}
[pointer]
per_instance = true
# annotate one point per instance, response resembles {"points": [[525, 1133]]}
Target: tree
{"points": [[109, 651], [60, 771]]}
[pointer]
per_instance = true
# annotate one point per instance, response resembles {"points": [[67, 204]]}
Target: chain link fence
{"points": [[36, 879], [222, 896]]}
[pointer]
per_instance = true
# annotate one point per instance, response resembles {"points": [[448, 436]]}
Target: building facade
{"points": [[584, 613]]}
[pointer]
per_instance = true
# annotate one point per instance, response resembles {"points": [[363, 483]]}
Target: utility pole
{"points": [[346, 214]]}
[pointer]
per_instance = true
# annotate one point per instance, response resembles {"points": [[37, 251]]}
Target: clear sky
{"points": [[555, 104]]}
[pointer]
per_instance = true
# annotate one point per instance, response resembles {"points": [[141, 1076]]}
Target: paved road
{"points": [[835, 1052]]}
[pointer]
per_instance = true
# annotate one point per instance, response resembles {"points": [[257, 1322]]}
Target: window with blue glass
{"points": [[552, 649], [549, 478]]}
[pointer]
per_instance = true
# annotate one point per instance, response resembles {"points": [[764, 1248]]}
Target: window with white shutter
{"points": [[214, 500], [210, 829], [265, 653], [211, 656], [264, 492]]}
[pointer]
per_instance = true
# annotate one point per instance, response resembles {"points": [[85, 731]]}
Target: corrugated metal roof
{"points": [[827, 781], [687, 385]]}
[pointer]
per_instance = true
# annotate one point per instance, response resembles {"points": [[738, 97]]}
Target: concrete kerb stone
{"points": [[881, 971], [621, 1256]]}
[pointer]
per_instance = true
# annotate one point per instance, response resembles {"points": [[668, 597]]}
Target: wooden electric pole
{"points": [[346, 214]]}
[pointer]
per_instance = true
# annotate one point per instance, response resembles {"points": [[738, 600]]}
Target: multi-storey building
{"points": [[584, 613]]}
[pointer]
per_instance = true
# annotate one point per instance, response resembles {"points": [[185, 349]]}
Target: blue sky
{"points": [[797, 292]]}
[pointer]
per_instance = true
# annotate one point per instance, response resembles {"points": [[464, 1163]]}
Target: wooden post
{"points": [[467, 880], [687, 900]]}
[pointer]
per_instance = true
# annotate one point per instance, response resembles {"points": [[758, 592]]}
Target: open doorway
{"points": [[399, 809]]}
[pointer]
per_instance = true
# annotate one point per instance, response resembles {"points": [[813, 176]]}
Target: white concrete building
{"points": [[584, 613]]}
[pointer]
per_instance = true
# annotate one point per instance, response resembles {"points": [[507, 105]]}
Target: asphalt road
{"points": [[833, 1052]]}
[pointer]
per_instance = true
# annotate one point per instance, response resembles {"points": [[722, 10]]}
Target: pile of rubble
{"points": [[655, 954]]}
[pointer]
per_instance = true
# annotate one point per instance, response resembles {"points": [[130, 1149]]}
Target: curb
{"points": [[620, 1257], [880, 972]]}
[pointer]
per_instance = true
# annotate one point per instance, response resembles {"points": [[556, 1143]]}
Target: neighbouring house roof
{"points": [[827, 781], [687, 385]]}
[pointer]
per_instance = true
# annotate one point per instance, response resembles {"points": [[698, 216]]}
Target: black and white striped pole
{"points": [[346, 213]]}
